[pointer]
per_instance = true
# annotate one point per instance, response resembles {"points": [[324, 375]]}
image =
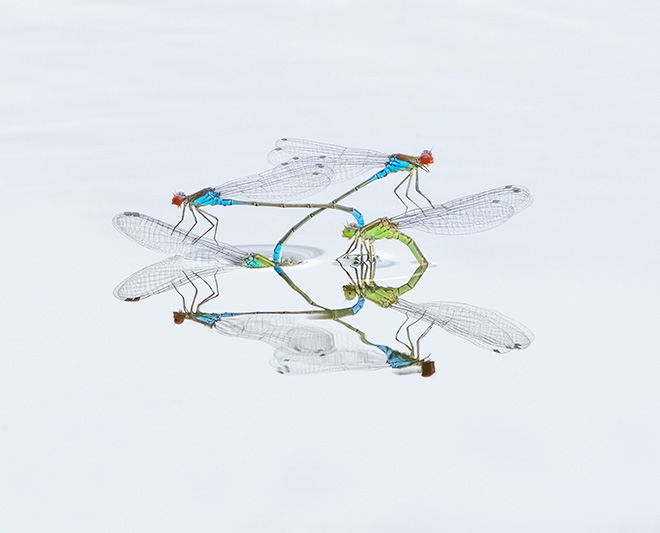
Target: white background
{"points": [[114, 419]]}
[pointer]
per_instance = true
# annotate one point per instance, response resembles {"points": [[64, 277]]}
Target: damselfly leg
{"points": [[214, 225], [214, 292]]}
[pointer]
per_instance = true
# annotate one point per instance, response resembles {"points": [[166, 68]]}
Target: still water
{"points": [[215, 409]]}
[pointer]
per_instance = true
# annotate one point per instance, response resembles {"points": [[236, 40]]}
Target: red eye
{"points": [[426, 158], [179, 317], [178, 198]]}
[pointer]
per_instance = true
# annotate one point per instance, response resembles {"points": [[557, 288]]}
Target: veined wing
{"points": [[280, 331], [301, 348], [484, 327], [164, 276], [289, 180], [346, 355], [162, 237], [345, 162], [470, 214], [516, 196], [460, 220], [288, 147]]}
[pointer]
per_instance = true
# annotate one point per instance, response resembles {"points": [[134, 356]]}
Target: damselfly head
{"points": [[349, 231], [350, 292], [428, 368], [426, 158], [178, 198], [179, 317]]}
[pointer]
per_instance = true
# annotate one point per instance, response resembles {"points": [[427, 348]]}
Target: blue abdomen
{"points": [[358, 217], [359, 305]]}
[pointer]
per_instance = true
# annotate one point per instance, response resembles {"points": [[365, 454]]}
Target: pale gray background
{"points": [[114, 419]]}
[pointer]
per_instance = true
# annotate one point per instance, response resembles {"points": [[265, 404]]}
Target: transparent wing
{"points": [[301, 348], [162, 237], [164, 276], [288, 147], [346, 163], [486, 328], [346, 355], [516, 196], [470, 214], [461, 220], [279, 331], [290, 180]]}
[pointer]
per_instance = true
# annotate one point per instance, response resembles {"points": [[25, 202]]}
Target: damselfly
{"points": [[346, 163], [289, 180], [470, 214], [189, 256]]}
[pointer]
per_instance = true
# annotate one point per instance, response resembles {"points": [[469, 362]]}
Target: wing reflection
{"points": [[303, 348], [166, 275], [483, 327]]}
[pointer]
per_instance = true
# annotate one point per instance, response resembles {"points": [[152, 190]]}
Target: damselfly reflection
{"points": [[349, 355], [483, 327], [470, 214], [301, 348]]}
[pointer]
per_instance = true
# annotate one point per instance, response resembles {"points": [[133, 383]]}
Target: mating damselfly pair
{"points": [[304, 346], [301, 169]]}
